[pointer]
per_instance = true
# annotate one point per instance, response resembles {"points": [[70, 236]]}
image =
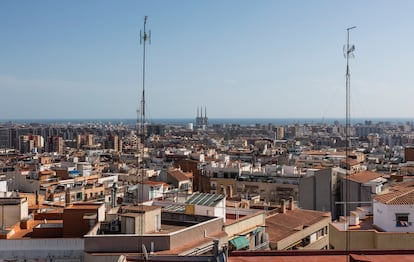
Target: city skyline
{"points": [[240, 59]]}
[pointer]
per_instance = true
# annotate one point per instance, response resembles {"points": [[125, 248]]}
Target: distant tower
{"points": [[205, 119], [201, 121]]}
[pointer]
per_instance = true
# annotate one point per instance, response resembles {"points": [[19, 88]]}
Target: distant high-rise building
{"points": [[91, 140], [29, 143], [56, 144], [155, 129], [24, 144], [112, 142], [409, 153], [5, 138], [279, 132]]}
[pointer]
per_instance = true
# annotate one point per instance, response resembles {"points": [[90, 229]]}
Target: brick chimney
{"points": [[291, 203], [282, 206]]}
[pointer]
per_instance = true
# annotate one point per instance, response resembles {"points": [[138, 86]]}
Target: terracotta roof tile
{"points": [[364, 176], [178, 175], [404, 196], [281, 226]]}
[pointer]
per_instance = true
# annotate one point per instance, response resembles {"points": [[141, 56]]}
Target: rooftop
{"points": [[404, 196], [282, 225], [323, 255], [137, 209], [204, 199], [364, 176], [178, 175]]}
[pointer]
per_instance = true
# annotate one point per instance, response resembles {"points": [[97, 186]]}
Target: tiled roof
{"points": [[404, 196], [154, 183], [178, 175], [364, 176], [281, 226]]}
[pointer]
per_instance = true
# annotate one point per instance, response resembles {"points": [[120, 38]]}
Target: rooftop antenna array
{"points": [[348, 53]]}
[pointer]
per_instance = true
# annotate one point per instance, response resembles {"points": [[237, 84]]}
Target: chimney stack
{"points": [[282, 206], [67, 197], [291, 203]]}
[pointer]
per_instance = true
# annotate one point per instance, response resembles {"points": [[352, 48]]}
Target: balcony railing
{"points": [[261, 246]]}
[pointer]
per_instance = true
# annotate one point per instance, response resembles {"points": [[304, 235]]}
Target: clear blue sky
{"points": [[241, 59]]}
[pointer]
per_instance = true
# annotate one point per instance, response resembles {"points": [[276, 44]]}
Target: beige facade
{"points": [[148, 218], [269, 192], [12, 210], [249, 223], [224, 186], [298, 229], [369, 239], [313, 237], [185, 240]]}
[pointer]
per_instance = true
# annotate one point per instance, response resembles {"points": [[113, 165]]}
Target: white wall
{"points": [[384, 216], [3, 186], [218, 211]]}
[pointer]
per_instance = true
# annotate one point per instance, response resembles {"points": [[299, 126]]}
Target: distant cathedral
{"points": [[200, 120]]}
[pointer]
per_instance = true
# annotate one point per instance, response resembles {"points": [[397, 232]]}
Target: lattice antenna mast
{"points": [[348, 53], [144, 38]]}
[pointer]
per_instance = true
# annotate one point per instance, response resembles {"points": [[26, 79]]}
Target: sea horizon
{"points": [[211, 121]]}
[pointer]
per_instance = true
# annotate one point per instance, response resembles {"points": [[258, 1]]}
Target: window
{"points": [[402, 220]]}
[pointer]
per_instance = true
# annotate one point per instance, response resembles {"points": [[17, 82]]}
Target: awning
{"points": [[240, 242]]}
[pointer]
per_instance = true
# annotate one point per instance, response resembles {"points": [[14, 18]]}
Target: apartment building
{"points": [[295, 229]]}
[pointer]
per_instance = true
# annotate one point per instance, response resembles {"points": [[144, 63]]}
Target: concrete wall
{"points": [[35, 249], [133, 243], [125, 243], [273, 192], [245, 225], [385, 217], [150, 220], [196, 233], [21, 183], [317, 191], [103, 258], [370, 239], [357, 193], [10, 214], [307, 193]]}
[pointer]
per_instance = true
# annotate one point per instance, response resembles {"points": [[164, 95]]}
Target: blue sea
{"points": [[211, 121]]}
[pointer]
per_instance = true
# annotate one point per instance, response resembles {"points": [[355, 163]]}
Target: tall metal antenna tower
{"points": [[144, 38], [348, 53]]}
